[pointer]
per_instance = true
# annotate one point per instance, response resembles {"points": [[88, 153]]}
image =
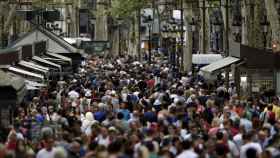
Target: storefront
{"points": [[44, 43], [253, 70]]}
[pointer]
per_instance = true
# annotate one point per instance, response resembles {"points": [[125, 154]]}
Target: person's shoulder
{"points": [[188, 154], [237, 136], [251, 145], [41, 153]]}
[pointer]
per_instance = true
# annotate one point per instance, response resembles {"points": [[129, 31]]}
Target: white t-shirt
{"points": [[43, 153], [247, 146], [103, 141], [73, 94], [187, 154]]}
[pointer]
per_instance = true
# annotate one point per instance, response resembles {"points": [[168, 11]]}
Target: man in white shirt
{"points": [[48, 141], [73, 94], [250, 147], [188, 151]]}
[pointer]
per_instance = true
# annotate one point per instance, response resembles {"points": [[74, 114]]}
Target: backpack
{"points": [[271, 117]]}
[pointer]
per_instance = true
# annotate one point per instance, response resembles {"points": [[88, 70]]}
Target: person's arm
{"points": [[259, 151]]}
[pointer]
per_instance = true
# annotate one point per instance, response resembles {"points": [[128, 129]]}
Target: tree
{"points": [[7, 15], [126, 8], [129, 12], [273, 18], [187, 51]]}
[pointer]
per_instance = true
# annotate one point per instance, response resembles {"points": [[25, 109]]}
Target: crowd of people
{"points": [[128, 109]]}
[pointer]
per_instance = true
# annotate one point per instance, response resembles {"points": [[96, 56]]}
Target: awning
{"points": [[219, 64], [70, 40], [31, 66], [25, 73], [30, 87], [37, 66], [55, 60], [34, 84], [205, 59], [60, 57], [36, 58]]}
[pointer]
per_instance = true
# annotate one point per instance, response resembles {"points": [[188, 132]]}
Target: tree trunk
{"points": [[131, 40], [115, 40], [10, 18], [248, 23], [230, 21], [134, 39], [136, 34], [251, 29], [274, 19], [258, 35], [7, 17], [204, 43], [101, 32], [187, 50], [139, 35]]}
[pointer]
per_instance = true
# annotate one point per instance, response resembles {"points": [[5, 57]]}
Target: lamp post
{"points": [[217, 28], [193, 29], [68, 21], [264, 25], [149, 43]]}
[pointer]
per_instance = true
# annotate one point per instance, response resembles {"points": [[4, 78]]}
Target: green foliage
{"points": [[126, 8], [41, 3], [214, 3]]}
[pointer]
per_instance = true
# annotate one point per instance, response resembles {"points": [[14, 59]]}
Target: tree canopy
{"points": [[126, 8]]}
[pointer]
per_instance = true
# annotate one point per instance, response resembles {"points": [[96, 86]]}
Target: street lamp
{"points": [[68, 21], [217, 28], [264, 23], [193, 29], [150, 43]]}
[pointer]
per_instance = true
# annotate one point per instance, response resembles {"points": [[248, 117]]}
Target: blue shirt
{"points": [[100, 116], [150, 116], [125, 113]]}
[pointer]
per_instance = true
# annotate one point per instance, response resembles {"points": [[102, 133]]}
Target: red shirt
{"points": [[11, 145], [151, 83], [234, 131]]}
